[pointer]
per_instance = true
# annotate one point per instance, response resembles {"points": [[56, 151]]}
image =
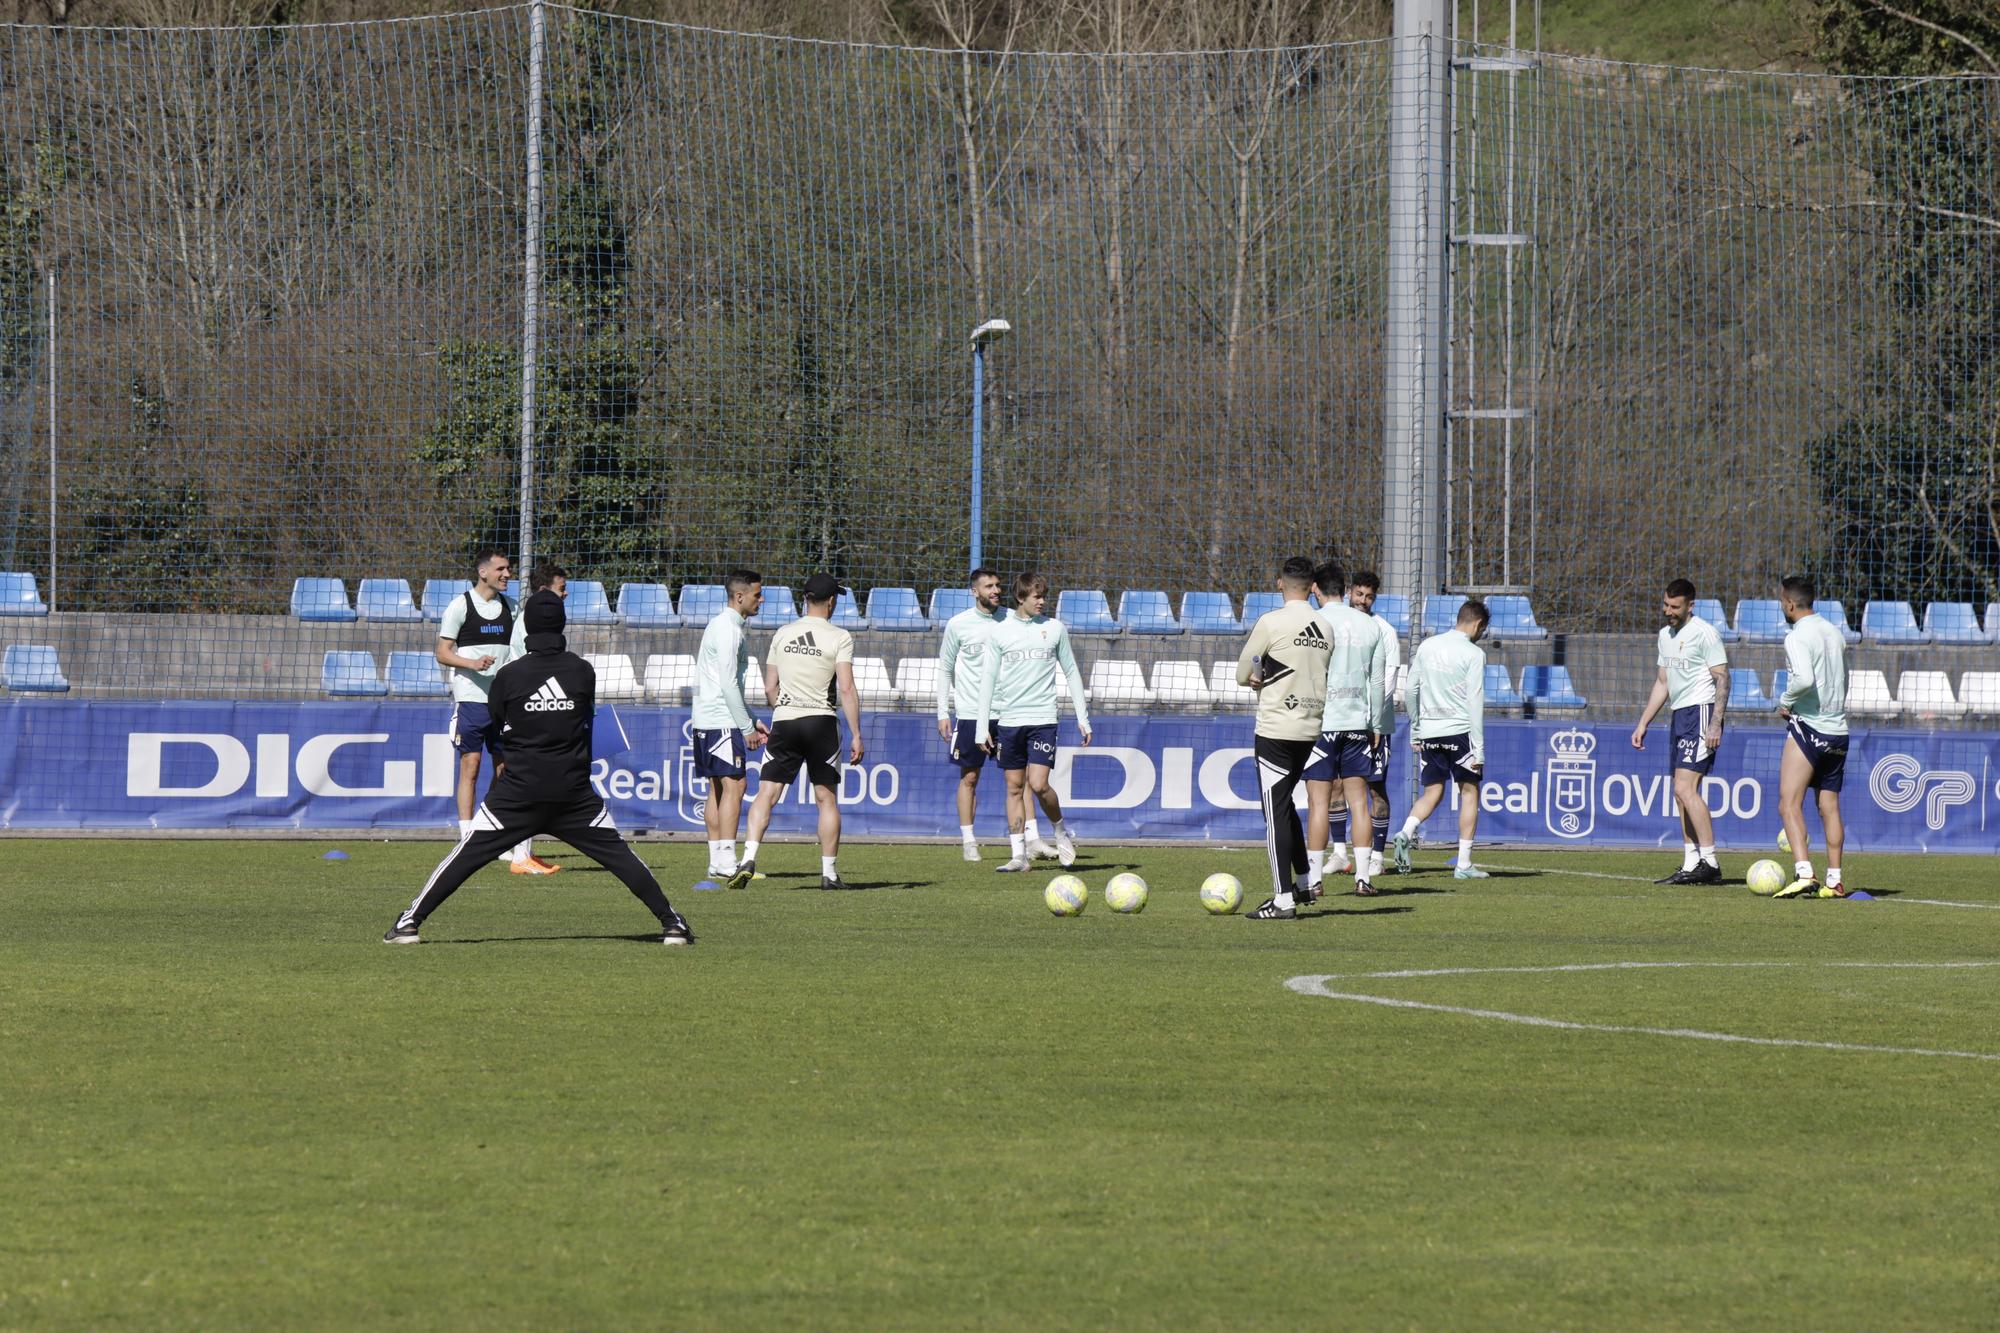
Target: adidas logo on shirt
{"points": [[804, 644], [1310, 637], [549, 699]]}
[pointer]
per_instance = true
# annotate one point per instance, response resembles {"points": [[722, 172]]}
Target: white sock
{"points": [[965, 831], [464, 827], [1410, 827], [1315, 867], [1708, 855], [1284, 900], [1802, 870], [826, 869], [1690, 856], [714, 852], [750, 850], [1339, 851], [1019, 842], [1833, 877], [1465, 851], [726, 849], [1031, 830], [1374, 863], [523, 849], [1062, 828]]}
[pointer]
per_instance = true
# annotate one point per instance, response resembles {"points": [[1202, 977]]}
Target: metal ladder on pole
{"points": [[1489, 451]]}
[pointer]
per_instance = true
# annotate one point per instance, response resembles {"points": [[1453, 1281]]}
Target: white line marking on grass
{"points": [[1641, 879], [1316, 985]]}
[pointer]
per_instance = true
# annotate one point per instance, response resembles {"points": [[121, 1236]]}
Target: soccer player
{"points": [[1361, 592], [962, 659], [543, 703], [1446, 701], [473, 638], [1017, 712], [1284, 660], [545, 577], [723, 729], [1814, 706], [1350, 713], [807, 672], [1694, 678]]}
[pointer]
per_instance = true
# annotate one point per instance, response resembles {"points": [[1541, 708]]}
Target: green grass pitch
{"points": [[933, 1105]]}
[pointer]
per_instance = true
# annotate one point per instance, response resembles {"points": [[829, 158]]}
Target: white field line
{"points": [[1316, 985], [1641, 879]]}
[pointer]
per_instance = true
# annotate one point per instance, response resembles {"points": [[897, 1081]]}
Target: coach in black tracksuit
{"points": [[542, 705]]}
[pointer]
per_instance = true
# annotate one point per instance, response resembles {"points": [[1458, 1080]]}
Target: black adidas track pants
{"points": [[1279, 764]]}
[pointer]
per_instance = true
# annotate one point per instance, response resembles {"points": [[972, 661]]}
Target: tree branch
{"points": [[1941, 30]]}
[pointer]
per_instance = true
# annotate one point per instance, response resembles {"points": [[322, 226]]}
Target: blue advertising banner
{"points": [[82, 764]]}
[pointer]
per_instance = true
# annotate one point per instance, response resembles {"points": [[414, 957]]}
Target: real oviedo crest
{"points": [[1572, 774]]}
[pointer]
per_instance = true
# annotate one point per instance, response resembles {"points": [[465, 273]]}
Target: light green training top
{"points": [[1392, 657], [1816, 655], [719, 665], [962, 660], [1446, 695], [1354, 670], [1018, 688], [1690, 658]]}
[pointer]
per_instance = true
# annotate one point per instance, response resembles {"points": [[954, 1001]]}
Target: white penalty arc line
{"points": [[1316, 985], [1641, 879]]}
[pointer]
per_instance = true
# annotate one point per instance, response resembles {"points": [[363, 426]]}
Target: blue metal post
{"points": [[978, 444]]}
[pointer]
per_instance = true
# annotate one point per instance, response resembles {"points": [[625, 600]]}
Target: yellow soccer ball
{"points": [[1222, 893], [1066, 895], [1784, 841], [1125, 892], [1765, 878]]}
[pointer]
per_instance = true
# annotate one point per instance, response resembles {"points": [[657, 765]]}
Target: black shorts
{"points": [[1827, 754], [1339, 755], [964, 752], [811, 743], [1445, 760], [1690, 738]]}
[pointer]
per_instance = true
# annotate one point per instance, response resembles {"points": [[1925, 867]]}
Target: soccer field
{"points": [[934, 1105]]}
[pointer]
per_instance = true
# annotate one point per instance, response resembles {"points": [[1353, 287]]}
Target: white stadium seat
{"points": [[1180, 685], [615, 677], [670, 677], [917, 680], [872, 683], [1223, 688], [1927, 694], [1979, 692], [1868, 694], [1115, 683], [753, 685]]}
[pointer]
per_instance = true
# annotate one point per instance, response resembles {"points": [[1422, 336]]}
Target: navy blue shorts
{"points": [[1690, 732], [1340, 754], [1827, 753], [472, 730], [718, 753], [964, 752], [1445, 760], [1379, 779], [1022, 746]]}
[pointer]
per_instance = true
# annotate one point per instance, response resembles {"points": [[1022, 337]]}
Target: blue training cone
{"points": [[705, 885], [335, 855], [1861, 896]]}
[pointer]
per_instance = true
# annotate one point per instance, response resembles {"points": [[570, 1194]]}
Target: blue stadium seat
{"points": [[386, 600], [702, 602], [33, 667], [1550, 687], [415, 673], [586, 604], [1209, 613], [1746, 692], [647, 606], [321, 599], [1837, 615], [846, 614], [1760, 620], [1257, 604], [896, 609], [1710, 610], [1441, 614], [1891, 622], [349, 672], [438, 594], [20, 597], [1513, 618], [1394, 607], [779, 608], [1085, 611], [1500, 691], [1779, 680], [948, 602], [1952, 623], [1146, 613]]}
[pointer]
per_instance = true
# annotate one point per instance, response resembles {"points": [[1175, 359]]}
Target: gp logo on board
{"points": [[1900, 784], [1572, 775]]}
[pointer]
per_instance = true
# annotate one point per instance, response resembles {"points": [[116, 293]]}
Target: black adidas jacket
{"points": [[543, 704]]}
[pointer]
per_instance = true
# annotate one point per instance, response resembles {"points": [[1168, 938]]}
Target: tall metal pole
{"points": [[52, 439], [531, 280], [1418, 291], [978, 446]]}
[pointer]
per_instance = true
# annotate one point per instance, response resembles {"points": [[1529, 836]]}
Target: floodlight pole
{"points": [[985, 333]]}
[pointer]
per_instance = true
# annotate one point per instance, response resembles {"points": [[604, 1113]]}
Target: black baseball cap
{"points": [[542, 613], [820, 587]]}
